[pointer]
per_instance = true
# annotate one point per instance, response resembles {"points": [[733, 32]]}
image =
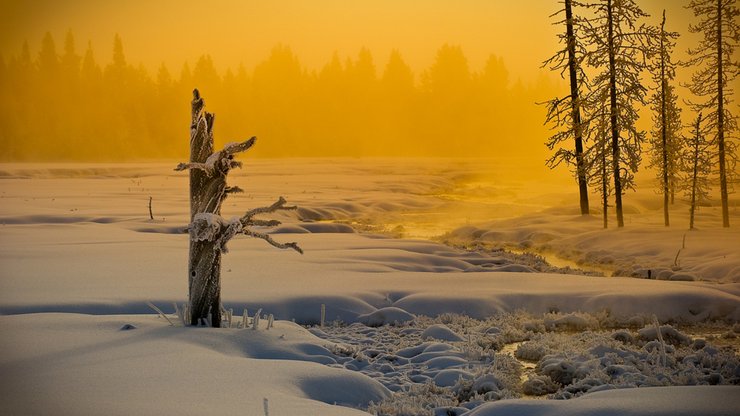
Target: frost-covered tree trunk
{"points": [[665, 147], [694, 172], [565, 112], [604, 189], [616, 171], [209, 233], [663, 130], [721, 120], [697, 167], [575, 109], [204, 263], [599, 162], [619, 47]]}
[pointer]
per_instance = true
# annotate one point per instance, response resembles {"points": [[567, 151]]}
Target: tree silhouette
{"points": [[278, 89], [70, 63], [716, 68], [447, 86], [398, 95], [48, 61], [354, 106]]}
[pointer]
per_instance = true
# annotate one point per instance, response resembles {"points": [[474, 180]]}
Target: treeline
{"points": [[61, 104], [607, 48]]}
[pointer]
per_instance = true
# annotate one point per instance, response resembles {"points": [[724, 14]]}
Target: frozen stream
{"points": [[455, 362]]}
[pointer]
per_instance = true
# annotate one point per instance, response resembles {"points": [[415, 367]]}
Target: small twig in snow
{"points": [[159, 311], [664, 359], [323, 314], [256, 320]]}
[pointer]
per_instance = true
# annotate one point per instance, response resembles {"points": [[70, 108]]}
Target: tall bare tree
{"points": [[697, 162], [712, 81], [664, 140], [564, 113], [619, 49], [598, 156], [209, 232]]}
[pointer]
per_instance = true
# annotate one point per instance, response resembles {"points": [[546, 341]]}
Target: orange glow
{"points": [[318, 78]]}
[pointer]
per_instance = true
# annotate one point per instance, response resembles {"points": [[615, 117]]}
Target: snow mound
{"points": [[669, 334], [386, 316], [450, 377], [145, 371], [663, 401], [340, 387], [441, 332]]}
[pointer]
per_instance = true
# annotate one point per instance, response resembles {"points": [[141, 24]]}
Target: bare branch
{"points": [[191, 165], [279, 205], [272, 242], [221, 161], [233, 190]]}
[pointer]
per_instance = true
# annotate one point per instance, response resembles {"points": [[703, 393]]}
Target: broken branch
{"points": [[272, 242]]}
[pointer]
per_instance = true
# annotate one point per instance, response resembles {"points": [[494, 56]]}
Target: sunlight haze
{"points": [[307, 77]]}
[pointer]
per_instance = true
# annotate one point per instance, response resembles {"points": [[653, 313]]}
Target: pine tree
{"points": [[620, 48], [716, 69], [70, 61], [564, 113], [664, 140], [48, 61]]}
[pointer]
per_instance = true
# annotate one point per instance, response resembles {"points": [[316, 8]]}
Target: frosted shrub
{"points": [[430, 377], [539, 385], [419, 400], [669, 334], [575, 321]]}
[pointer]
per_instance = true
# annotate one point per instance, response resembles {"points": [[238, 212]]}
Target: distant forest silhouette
{"points": [[66, 106]]}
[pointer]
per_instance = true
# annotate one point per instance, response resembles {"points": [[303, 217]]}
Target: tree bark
{"points": [[209, 232], [721, 122], [575, 110], [613, 118], [206, 195], [663, 127]]}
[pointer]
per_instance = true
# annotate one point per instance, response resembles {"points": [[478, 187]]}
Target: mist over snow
{"points": [[448, 286]]}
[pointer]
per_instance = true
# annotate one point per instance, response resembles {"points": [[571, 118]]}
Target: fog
{"points": [[89, 80]]}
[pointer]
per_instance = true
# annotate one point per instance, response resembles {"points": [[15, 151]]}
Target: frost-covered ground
{"points": [[80, 255]]}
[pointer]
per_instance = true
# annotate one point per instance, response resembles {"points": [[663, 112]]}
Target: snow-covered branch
{"points": [[279, 205], [266, 237], [214, 228], [221, 161]]}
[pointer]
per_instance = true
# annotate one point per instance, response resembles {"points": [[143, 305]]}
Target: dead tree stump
{"points": [[209, 232]]}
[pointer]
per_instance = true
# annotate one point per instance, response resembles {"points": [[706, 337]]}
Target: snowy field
{"points": [[424, 311]]}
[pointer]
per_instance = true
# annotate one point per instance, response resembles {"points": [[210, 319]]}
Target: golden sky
{"points": [[290, 95], [244, 31]]}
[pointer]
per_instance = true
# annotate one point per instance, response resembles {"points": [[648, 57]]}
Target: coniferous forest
{"points": [[62, 97]]}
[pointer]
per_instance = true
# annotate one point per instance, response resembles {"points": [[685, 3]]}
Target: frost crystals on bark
{"points": [[209, 232]]}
